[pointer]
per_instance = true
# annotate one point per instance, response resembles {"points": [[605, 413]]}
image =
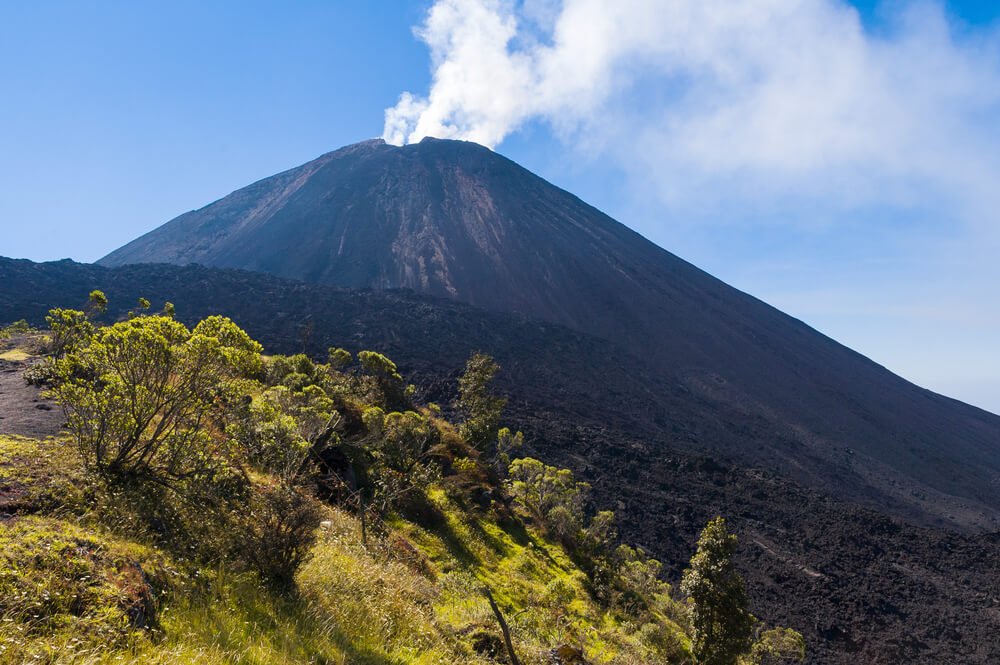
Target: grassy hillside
{"points": [[74, 591], [391, 522]]}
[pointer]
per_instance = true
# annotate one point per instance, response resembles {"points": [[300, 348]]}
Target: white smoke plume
{"points": [[769, 92]]}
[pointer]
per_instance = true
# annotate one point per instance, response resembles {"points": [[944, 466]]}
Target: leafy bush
{"points": [[664, 643], [394, 393], [70, 330], [17, 328], [400, 466], [295, 372], [776, 646], [276, 530], [339, 358], [268, 437], [550, 494], [639, 573], [599, 535], [140, 396]]}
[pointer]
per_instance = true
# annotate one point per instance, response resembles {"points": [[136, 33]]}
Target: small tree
{"points": [[399, 445], [776, 646], [601, 532], [639, 573], [394, 393], [70, 330], [506, 444], [722, 625], [551, 494], [276, 531], [301, 397], [267, 436], [97, 303], [480, 407], [339, 358]]}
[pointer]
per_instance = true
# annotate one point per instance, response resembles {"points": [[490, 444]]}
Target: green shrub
{"points": [[722, 626], [551, 495], [398, 446], [394, 394], [275, 531], [70, 331], [339, 358], [17, 328], [776, 646], [662, 641], [267, 436], [140, 397], [639, 573]]}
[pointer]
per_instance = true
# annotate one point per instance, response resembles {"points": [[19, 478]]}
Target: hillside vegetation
{"points": [[211, 504]]}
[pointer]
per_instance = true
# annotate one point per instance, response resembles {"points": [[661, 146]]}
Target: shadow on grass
{"points": [[515, 528], [456, 547], [519, 533], [491, 540]]}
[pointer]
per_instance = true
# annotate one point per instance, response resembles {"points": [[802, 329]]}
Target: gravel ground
{"points": [[23, 411]]}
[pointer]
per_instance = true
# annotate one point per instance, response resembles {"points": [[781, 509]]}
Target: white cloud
{"points": [[766, 96]]}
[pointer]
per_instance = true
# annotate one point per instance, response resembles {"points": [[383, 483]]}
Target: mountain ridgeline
{"points": [[455, 220]]}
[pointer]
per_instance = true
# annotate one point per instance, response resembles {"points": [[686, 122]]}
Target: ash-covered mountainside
{"points": [[454, 219]]}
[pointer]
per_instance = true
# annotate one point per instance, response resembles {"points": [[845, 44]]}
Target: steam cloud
{"points": [[770, 93]]}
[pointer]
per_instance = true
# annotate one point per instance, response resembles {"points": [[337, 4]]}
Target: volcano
{"points": [[738, 378]]}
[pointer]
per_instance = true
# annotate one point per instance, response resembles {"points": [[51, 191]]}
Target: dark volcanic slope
{"points": [[862, 588], [454, 219]]}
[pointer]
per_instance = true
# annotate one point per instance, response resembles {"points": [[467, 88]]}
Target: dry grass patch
{"points": [[66, 592], [39, 474], [15, 355]]}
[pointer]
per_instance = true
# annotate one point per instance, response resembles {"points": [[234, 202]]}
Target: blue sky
{"points": [[834, 163]]}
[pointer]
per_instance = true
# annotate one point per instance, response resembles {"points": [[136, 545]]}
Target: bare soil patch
{"points": [[23, 410]]}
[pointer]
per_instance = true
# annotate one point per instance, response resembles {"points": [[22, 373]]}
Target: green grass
{"points": [[413, 595], [66, 591], [39, 475], [535, 583]]}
